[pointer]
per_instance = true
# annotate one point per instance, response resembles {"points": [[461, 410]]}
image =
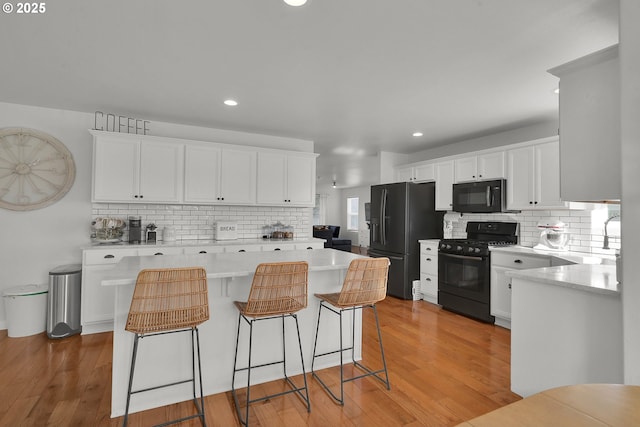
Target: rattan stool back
{"points": [[277, 288], [168, 299], [365, 282]]}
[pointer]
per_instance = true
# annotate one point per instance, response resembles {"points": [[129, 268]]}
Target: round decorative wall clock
{"points": [[36, 169]]}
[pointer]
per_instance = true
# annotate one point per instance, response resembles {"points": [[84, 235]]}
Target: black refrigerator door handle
{"points": [[383, 213]]}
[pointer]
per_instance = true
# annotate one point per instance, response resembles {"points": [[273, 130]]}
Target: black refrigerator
{"points": [[401, 214]]}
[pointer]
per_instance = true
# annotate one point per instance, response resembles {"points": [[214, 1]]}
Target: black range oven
{"points": [[464, 268]]}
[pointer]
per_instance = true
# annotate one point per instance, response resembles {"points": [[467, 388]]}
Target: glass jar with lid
{"points": [[288, 232]]}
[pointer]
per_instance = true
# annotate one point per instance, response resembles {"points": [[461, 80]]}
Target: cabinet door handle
{"points": [[518, 261], [509, 285], [428, 279], [242, 250], [428, 249], [202, 252], [276, 249], [109, 256], [309, 247], [135, 197], [428, 259], [141, 196], [158, 253]]}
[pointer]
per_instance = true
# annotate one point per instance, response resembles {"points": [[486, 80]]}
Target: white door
{"points": [[272, 170], [548, 174], [201, 174], [161, 176], [444, 185], [424, 173], [301, 180], [520, 193], [238, 176], [404, 174], [491, 166], [115, 170], [500, 293], [466, 169]]}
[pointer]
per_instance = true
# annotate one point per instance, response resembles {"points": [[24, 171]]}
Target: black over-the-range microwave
{"points": [[480, 197]]}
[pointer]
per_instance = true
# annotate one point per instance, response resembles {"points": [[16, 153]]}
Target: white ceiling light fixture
{"points": [[416, 134], [230, 102], [295, 2]]}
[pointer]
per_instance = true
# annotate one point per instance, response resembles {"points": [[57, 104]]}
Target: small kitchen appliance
{"points": [[553, 235], [135, 229], [152, 234], [480, 197]]}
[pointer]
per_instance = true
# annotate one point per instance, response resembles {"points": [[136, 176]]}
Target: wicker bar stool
{"points": [[169, 301], [364, 285], [278, 290]]}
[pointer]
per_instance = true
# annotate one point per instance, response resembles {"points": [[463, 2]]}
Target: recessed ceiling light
{"points": [[230, 102], [417, 134], [295, 2]]}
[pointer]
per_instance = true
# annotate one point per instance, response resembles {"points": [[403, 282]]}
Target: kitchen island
{"points": [[167, 358], [566, 327]]}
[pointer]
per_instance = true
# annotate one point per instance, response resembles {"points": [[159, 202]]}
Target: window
{"points": [[352, 213]]}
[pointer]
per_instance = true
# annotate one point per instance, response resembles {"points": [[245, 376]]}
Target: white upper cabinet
{"points": [[286, 179], [202, 174], [130, 170], [444, 185], [533, 177], [138, 168], [161, 171], [590, 127], [417, 173], [481, 167], [238, 177]]}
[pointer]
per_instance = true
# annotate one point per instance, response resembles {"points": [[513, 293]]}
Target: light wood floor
{"points": [[444, 369]]}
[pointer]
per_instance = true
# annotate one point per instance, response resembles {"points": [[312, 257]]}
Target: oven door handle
{"points": [[471, 258], [488, 196]]}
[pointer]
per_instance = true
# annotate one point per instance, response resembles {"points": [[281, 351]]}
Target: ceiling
{"points": [[354, 76]]}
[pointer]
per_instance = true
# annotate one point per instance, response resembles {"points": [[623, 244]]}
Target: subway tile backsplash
{"points": [[586, 226], [197, 221]]}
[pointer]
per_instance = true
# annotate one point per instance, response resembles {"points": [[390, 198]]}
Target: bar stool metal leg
{"points": [[195, 347], [133, 365], [244, 418], [367, 371]]}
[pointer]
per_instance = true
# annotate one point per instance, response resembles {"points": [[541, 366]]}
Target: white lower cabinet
{"points": [[429, 270], [96, 313], [160, 251], [501, 262], [188, 250]]}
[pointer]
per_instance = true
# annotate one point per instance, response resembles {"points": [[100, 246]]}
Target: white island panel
{"points": [[565, 329], [167, 358]]}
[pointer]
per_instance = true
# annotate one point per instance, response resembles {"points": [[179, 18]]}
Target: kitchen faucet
{"points": [[605, 244]]}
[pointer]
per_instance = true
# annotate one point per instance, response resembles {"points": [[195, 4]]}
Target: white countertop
{"points": [[226, 265], [596, 278], [429, 241], [203, 242], [569, 256]]}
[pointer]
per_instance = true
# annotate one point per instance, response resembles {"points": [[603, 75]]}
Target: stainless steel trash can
{"points": [[63, 305]]}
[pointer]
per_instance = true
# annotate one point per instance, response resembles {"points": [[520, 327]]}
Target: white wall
{"points": [[523, 134], [33, 242], [630, 136]]}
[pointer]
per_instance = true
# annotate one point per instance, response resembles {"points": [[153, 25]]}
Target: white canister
{"points": [[169, 234]]}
